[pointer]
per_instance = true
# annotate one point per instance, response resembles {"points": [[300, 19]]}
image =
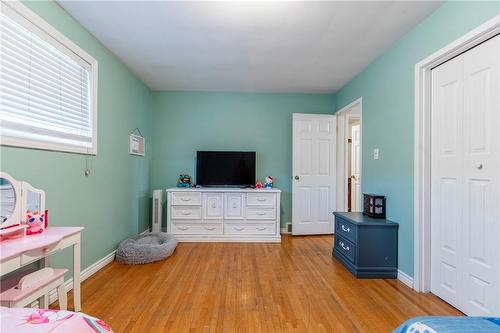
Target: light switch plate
{"points": [[375, 154]]}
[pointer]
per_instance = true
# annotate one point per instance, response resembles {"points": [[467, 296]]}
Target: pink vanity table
{"points": [[16, 253]]}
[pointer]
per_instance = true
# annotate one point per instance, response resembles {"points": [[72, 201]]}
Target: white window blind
{"points": [[45, 91]]}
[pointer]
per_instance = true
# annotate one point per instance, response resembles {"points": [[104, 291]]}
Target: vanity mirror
{"points": [[16, 198]]}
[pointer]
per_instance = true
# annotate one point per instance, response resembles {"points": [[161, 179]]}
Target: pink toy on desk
{"points": [[35, 222]]}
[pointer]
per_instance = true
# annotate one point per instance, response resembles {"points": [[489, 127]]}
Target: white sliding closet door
{"points": [[465, 171]]}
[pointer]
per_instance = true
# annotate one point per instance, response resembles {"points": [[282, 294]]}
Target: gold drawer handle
{"points": [[261, 213], [261, 228], [183, 228], [261, 199], [185, 212], [210, 228], [239, 228], [186, 199]]}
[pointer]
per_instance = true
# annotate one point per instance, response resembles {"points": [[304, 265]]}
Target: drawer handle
{"points": [[185, 212], [235, 205], [261, 213], [183, 228], [210, 228], [214, 205], [186, 199], [261, 228], [344, 246], [239, 228], [346, 229], [261, 199]]}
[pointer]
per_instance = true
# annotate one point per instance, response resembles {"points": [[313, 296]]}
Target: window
{"points": [[48, 86]]}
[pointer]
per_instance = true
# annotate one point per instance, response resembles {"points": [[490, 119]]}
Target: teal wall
{"points": [[113, 203], [184, 122], [387, 89]]}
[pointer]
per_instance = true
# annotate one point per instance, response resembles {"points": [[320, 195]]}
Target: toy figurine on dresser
{"points": [[184, 181], [269, 182]]}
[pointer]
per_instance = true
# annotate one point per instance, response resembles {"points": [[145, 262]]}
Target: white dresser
{"points": [[224, 214]]}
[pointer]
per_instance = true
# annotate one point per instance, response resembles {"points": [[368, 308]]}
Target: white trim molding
{"points": [[86, 273], [422, 149], [343, 117], [405, 279]]}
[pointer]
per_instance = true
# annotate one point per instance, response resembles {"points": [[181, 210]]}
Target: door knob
{"points": [[479, 166], [297, 177]]}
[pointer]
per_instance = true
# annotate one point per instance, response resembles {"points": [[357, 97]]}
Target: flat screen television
{"points": [[225, 168]]}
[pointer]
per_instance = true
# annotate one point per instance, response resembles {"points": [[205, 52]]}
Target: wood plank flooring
{"points": [[296, 286]]}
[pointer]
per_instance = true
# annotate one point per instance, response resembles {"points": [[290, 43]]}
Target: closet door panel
{"points": [[482, 178], [447, 180]]}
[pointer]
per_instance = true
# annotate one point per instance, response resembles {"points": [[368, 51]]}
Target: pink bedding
{"points": [[28, 320]]}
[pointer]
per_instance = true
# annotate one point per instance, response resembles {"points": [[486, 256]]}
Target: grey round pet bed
{"points": [[146, 248]]}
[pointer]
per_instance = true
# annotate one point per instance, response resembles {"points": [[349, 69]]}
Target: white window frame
{"points": [[62, 43]]}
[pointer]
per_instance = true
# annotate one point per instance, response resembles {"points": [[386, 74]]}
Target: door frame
{"points": [[342, 153], [422, 148]]}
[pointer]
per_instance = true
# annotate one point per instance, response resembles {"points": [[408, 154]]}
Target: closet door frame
{"points": [[422, 145]]}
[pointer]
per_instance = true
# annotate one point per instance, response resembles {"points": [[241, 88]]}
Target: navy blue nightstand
{"points": [[367, 247]]}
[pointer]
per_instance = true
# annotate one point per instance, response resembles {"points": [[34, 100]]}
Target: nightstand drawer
{"points": [[345, 247], [345, 229]]}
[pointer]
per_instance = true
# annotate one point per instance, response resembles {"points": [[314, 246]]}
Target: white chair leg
{"points": [[63, 299]]}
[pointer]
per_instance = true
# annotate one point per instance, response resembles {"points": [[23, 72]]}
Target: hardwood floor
{"points": [[296, 286]]}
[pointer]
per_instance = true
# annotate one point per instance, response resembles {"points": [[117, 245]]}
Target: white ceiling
{"points": [[248, 46]]}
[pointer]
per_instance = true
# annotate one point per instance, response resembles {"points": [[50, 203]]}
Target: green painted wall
{"points": [[113, 203], [184, 122], [387, 89]]}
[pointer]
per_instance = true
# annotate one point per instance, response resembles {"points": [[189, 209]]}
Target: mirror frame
{"points": [[15, 218], [26, 187]]}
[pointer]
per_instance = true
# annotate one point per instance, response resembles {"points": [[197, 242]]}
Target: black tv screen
{"points": [[225, 168]]}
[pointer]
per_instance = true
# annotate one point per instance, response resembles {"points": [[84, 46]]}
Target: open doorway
{"points": [[349, 157]]}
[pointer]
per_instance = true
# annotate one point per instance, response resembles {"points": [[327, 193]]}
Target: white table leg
{"points": [[44, 300], [63, 298], [76, 277]]}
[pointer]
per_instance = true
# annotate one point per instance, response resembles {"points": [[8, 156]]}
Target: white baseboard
{"points": [[88, 272], [284, 231], [405, 278], [85, 274]]}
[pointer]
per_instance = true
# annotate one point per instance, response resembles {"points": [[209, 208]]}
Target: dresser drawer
{"points": [[249, 229], [212, 206], [261, 199], [257, 213], [30, 256], [185, 212], [345, 229], [345, 247], [234, 206], [197, 228], [186, 198]]}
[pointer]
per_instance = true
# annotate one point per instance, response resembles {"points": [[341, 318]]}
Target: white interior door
{"points": [[314, 138], [465, 188], [355, 168]]}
